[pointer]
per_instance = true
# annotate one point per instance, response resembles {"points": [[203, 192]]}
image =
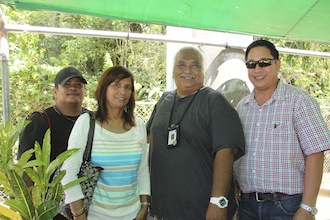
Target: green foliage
{"points": [[148, 69], [36, 58], [311, 74], [40, 201], [8, 136]]}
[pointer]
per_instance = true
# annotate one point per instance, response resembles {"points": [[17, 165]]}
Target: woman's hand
{"points": [[143, 213]]}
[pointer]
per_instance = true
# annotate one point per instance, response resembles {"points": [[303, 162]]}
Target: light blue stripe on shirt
{"points": [[120, 178], [115, 160], [115, 198]]}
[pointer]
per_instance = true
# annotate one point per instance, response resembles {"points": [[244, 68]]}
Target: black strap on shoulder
{"points": [[48, 119], [85, 111], [88, 150], [42, 113]]}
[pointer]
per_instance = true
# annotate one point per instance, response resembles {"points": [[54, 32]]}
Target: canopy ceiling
{"points": [[300, 20]]}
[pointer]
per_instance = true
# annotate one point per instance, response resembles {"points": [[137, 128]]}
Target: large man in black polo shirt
{"points": [[195, 136]]}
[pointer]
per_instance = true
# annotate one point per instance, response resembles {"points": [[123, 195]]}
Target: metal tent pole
{"points": [[137, 36], [4, 56]]}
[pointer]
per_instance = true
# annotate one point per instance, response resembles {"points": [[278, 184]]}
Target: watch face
{"points": [[222, 202], [314, 211]]}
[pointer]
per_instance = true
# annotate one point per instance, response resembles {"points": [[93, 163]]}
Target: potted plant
{"points": [[37, 202]]}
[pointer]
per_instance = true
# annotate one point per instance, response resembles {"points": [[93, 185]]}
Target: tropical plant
{"points": [[37, 202]]}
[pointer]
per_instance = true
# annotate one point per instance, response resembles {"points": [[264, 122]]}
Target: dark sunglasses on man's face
{"points": [[261, 63]]}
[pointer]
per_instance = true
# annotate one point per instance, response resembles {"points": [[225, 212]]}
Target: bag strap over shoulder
{"points": [[42, 113], [88, 150]]}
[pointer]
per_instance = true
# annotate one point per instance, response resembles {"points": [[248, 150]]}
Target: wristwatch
{"points": [[221, 202], [312, 210]]}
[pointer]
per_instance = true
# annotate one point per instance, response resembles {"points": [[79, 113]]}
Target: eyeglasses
{"points": [[261, 63]]}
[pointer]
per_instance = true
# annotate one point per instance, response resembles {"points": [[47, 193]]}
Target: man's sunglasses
{"points": [[261, 63]]}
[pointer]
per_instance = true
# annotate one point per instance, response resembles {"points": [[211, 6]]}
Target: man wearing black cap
{"points": [[69, 93]]}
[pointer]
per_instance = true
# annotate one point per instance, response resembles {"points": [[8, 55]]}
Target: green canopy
{"points": [[301, 20]]}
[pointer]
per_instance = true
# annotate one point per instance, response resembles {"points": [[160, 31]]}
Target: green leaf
{"points": [[57, 179], [22, 161], [33, 175], [34, 163], [15, 131], [38, 156], [2, 217], [59, 160], [25, 157], [46, 148], [37, 149], [36, 193], [4, 179], [48, 210], [75, 182], [21, 192], [8, 137], [7, 213], [56, 193], [19, 207]]}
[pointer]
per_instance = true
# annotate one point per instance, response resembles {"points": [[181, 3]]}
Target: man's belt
{"points": [[262, 197]]}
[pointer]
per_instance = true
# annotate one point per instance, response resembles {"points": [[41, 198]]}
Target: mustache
{"points": [[188, 75]]}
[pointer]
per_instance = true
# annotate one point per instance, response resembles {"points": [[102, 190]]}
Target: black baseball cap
{"points": [[67, 73]]}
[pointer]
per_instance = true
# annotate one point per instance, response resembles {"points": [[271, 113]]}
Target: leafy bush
{"points": [[37, 202]]}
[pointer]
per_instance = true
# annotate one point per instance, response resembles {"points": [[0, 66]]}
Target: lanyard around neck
{"points": [[173, 106]]}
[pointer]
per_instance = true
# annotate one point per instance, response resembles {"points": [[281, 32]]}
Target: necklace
{"points": [[72, 119]]}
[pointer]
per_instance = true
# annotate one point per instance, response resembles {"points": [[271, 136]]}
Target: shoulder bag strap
{"points": [[48, 119], [42, 113], [88, 150]]}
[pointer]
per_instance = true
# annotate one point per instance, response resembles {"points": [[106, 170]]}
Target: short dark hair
{"points": [[110, 75], [262, 43]]}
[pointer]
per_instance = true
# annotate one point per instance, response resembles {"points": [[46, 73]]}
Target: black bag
{"points": [[86, 169]]}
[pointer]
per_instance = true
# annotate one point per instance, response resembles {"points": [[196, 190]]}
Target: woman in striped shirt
{"points": [[119, 147]]}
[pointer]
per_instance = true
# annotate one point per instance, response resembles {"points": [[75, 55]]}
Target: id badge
{"points": [[173, 135]]}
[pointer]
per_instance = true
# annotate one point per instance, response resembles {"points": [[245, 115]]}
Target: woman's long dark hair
{"points": [[110, 75]]}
